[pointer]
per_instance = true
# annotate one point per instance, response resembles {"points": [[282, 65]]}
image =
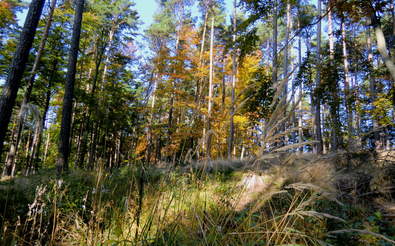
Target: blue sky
{"points": [[146, 10]]}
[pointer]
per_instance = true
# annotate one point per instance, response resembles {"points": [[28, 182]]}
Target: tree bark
{"points": [[347, 82], [210, 89], [234, 81], [17, 131], [300, 108], [198, 81], [382, 45], [318, 148], [274, 51], [64, 143], [18, 65], [336, 139]]}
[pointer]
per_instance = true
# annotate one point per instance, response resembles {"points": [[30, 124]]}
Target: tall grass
{"points": [[142, 205]]}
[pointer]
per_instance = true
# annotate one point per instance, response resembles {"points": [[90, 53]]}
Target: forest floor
{"points": [[277, 199]]}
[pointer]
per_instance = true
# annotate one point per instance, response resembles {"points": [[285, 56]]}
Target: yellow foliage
{"points": [[381, 108]]}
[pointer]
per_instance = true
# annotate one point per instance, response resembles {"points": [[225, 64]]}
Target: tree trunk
{"points": [[111, 37], [336, 139], [33, 149], [300, 108], [92, 149], [286, 66], [234, 80], [198, 81], [35, 154], [286, 49], [65, 130], [347, 82], [382, 48], [275, 34], [16, 133], [47, 146], [18, 65], [82, 147], [210, 89], [317, 103], [372, 89], [223, 86]]}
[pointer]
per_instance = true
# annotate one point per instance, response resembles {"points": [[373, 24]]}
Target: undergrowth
{"points": [[143, 205]]}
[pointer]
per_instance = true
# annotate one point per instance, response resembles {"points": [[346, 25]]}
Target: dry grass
{"points": [[273, 200]]}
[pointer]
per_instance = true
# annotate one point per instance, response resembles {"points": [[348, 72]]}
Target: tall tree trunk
{"points": [[223, 86], [382, 45], [317, 103], [111, 37], [234, 79], [82, 147], [150, 137], [203, 42], [170, 124], [347, 82], [33, 157], [65, 130], [274, 51], [17, 68], [210, 89], [336, 138], [286, 64], [16, 133], [382, 48], [300, 108], [286, 49], [372, 90]]}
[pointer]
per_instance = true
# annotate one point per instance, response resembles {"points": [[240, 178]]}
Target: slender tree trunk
{"points": [[275, 34], [372, 90], [234, 81], [199, 81], [65, 130], [150, 138], [286, 66], [47, 146], [92, 147], [318, 148], [347, 82], [210, 89], [223, 86], [105, 69], [286, 49], [33, 149], [82, 148], [35, 153], [173, 94], [17, 68], [300, 108], [336, 138]]}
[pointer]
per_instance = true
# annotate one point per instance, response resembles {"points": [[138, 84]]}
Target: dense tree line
{"points": [[223, 80]]}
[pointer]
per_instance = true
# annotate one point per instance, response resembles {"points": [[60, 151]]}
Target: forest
{"points": [[219, 122]]}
